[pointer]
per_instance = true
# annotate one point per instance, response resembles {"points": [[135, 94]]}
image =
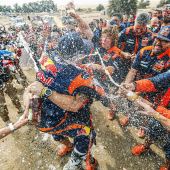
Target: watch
{"points": [[47, 93]]}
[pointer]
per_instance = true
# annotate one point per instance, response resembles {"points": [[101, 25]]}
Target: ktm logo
{"points": [[48, 65]]}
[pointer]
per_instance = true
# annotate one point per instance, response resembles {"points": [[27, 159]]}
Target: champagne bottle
{"points": [[35, 109], [132, 96]]}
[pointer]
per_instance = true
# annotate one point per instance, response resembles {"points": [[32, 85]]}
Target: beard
{"points": [[157, 49]]}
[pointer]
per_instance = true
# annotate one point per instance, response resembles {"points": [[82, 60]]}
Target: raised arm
{"points": [[84, 28]]}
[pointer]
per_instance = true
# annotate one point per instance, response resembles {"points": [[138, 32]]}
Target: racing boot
{"points": [[141, 133], [75, 161], [123, 119], [91, 163], [110, 115], [166, 166], [141, 148], [138, 149]]}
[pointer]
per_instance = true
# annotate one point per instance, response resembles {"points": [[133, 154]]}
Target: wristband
{"points": [[30, 115], [11, 127]]}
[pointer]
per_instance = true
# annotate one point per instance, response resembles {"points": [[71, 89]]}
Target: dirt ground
{"points": [[27, 149]]}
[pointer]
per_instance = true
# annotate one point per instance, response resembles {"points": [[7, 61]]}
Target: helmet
{"points": [[164, 33]]}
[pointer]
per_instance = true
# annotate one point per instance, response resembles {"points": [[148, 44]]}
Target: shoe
{"points": [[123, 120], [141, 133], [64, 150], [71, 165], [138, 149], [164, 168], [92, 164], [74, 163], [110, 115]]}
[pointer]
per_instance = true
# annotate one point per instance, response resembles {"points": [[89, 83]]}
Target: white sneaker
{"points": [[72, 165]]}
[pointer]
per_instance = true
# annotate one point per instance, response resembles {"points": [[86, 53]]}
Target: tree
{"points": [[8, 9], [17, 8], [39, 6], [122, 6], [162, 3], [1, 8], [143, 4], [100, 7], [25, 8]]}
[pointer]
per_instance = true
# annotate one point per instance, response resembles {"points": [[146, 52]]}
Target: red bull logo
{"points": [[43, 79], [48, 65]]}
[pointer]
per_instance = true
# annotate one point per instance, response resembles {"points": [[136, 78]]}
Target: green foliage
{"points": [[143, 4], [17, 8], [162, 3], [39, 6], [100, 7], [122, 6], [6, 9]]}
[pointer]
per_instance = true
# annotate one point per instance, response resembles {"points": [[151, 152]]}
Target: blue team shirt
{"points": [[161, 81], [130, 40], [5, 53], [5, 57], [59, 80], [150, 65]]}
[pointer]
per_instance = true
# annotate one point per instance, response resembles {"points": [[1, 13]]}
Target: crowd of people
{"points": [[128, 56]]}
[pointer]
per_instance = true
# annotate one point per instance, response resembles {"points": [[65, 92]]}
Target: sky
{"points": [[78, 3]]}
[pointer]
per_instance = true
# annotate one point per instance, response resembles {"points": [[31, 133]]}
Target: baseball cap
{"points": [[166, 7], [164, 33], [142, 19]]}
